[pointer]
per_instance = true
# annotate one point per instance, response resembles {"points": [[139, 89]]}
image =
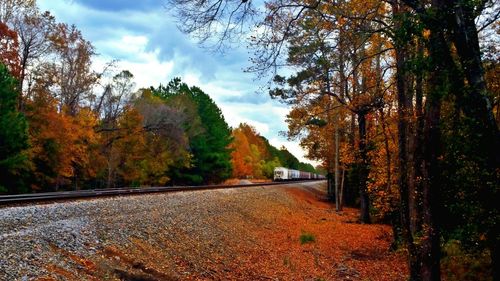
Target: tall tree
{"points": [[240, 156], [71, 69], [443, 68], [34, 29], [13, 135], [210, 147]]}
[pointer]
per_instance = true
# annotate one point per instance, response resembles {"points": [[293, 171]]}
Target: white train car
{"points": [[285, 174], [281, 174], [293, 174]]}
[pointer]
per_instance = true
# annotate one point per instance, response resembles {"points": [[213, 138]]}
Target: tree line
{"points": [[66, 126], [253, 156], [400, 101]]}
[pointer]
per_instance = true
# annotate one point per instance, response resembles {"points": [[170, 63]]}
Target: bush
{"points": [[458, 264]]}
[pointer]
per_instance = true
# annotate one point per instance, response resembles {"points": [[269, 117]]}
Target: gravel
{"points": [[76, 238]]}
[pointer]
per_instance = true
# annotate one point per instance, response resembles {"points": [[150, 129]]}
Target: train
{"points": [[285, 174]]}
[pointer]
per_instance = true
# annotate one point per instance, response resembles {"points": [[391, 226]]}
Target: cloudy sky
{"points": [[143, 36]]}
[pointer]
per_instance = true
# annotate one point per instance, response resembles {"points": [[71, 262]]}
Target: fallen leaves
{"points": [[256, 235]]}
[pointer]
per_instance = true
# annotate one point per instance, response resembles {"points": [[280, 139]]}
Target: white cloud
{"points": [[147, 69], [148, 45]]}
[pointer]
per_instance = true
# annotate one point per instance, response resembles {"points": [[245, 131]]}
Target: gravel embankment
{"points": [[39, 240], [229, 234]]}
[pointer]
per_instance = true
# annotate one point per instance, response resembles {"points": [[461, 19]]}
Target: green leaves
{"points": [[13, 134], [209, 134]]}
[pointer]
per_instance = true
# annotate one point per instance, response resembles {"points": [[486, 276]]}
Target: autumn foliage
{"points": [[253, 156], [9, 46], [80, 128], [398, 99]]}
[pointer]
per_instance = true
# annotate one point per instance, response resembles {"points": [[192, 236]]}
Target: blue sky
{"points": [[143, 36]]}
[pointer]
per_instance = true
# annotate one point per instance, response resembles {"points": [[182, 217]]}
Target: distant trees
{"points": [[253, 156], [14, 140], [89, 129], [65, 125]]}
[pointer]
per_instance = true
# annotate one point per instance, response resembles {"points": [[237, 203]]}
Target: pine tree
{"points": [[209, 135], [13, 135]]}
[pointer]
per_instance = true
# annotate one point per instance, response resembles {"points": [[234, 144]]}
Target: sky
{"points": [[143, 36]]}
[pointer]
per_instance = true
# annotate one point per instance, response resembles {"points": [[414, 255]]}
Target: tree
{"points": [[438, 63], [62, 144], [9, 9], [240, 155], [9, 46], [211, 148], [210, 151], [348, 68], [71, 70], [33, 29], [13, 136]]}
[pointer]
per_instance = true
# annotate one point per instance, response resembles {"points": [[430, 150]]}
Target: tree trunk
{"points": [[431, 143], [338, 207], [413, 256], [439, 85], [417, 149], [387, 150], [341, 194], [363, 170], [477, 106], [495, 257]]}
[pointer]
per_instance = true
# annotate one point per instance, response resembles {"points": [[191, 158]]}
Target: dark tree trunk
{"points": [[476, 105], [430, 171], [495, 257], [388, 161], [466, 42], [439, 81], [413, 256], [352, 135], [363, 170], [417, 151]]}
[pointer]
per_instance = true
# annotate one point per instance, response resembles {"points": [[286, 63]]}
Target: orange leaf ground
{"points": [[254, 239]]}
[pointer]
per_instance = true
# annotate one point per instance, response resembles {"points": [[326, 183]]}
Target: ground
{"points": [[264, 233]]}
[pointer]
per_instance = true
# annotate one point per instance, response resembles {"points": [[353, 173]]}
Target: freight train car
{"points": [[285, 174]]}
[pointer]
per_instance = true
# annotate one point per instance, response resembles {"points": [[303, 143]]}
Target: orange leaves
{"points": [[246, 154], [382, 184], [60, 143], [240, 157], [9, 50], [251, 156]]}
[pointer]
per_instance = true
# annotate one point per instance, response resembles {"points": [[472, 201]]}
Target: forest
{"points": [[399, 101], [64, 126]]}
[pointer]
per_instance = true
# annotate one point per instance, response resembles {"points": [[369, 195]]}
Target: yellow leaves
{"points": [[383, 172], [426, 33], [139, 157], [250, 154], [241, 155]]}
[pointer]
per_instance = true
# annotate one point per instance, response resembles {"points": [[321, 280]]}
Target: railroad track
{"points": [[65, 195]]}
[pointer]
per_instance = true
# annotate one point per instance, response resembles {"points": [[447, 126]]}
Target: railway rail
{"points": [[92, 193]]}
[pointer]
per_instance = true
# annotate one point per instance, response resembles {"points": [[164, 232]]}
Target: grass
{"points": [[306, 237]]}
